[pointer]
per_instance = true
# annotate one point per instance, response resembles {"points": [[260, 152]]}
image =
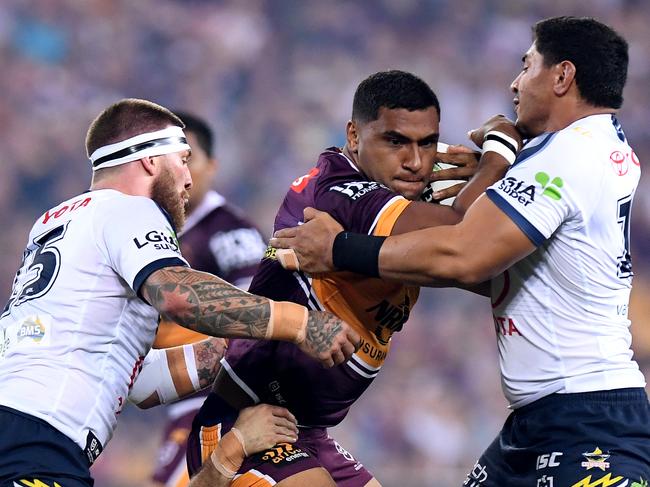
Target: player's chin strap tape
{"points": [[158, 143], [502, 144], [357, 252]]}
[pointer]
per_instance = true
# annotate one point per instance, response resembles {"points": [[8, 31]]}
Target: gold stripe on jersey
{"points": [[389, 216], [373, 307], [252, 478], [209, 437], [170, 334]]}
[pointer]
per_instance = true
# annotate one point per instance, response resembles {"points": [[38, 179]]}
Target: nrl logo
{"points": [[596, 459]]}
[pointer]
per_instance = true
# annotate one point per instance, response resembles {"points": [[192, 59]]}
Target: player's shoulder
{"points": [[595, 135], [116, 208], [333, 164], [111, 198], [341, 177], [573, 148]]}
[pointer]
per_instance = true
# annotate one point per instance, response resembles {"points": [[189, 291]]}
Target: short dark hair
{"points": [[200, 128], [127, 118], [598, 52], [391, 89]]}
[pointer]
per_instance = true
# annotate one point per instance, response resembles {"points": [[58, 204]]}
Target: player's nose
{"points": [[414, 160], [188, 179]]}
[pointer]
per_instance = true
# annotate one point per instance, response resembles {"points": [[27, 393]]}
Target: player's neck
{"points": [[562, 118], [123, 185], [350, 155]]}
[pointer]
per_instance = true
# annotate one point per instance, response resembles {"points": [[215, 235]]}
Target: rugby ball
{"points": [[427, 194]]}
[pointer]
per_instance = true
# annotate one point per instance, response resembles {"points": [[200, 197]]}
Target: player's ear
{"points": [[565, 73], [352, 136], [148, 164]]}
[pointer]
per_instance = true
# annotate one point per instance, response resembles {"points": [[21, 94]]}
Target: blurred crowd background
{"points": [[276, 79]]}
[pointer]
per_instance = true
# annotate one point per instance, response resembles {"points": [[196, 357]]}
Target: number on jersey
{"points": [[625, 260], [39, 268]]}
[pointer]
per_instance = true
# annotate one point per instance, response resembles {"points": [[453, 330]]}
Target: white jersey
{"points": [[561, 313], [75, 331]]}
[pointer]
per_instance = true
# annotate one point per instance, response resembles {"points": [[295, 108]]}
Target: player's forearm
{"points": [[224, 462], [207, 304], [174, 373], [482, 246], [427, 257], [209, 476], [491, 168], [207, 357]]}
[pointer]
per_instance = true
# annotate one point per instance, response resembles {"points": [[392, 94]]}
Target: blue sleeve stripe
{"points": [[151, 267], [529, 152], [534, 235]]}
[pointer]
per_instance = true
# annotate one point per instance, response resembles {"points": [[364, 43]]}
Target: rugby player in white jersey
{"points": [[553, 238], [97, 272]]}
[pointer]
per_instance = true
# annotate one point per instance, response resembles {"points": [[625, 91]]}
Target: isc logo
{"points": [[548, 460]]}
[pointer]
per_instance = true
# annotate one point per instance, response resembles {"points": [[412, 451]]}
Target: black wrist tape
{"points": [[356, 252]]}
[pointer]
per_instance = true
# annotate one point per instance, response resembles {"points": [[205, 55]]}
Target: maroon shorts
{"points": [[313, 449]]}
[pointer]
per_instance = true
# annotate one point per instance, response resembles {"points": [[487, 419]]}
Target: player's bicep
{"points": [[491, 240], [170, 290]]}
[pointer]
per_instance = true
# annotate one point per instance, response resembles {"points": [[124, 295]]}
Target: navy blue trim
{"points": [[150, 268], [534, 235], [619, 129], [168, 217], [529, 152]]}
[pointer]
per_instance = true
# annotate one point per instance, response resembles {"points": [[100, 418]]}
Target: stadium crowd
{"points": [[276, 79]]}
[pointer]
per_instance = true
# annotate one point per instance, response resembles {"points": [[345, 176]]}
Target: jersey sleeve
{"points": [[138, 240], [549, 185], [361, 206]]}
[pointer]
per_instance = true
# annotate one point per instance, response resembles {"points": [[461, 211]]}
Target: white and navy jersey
{"points": [[74, 332], [561, 313]]}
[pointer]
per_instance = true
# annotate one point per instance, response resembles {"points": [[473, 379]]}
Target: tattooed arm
{"points": [[174, 373], [205, 303]]}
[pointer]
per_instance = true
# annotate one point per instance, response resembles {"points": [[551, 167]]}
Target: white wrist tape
{"points": [[502, 144], [190, 362], [171, 373], [154, 377]]}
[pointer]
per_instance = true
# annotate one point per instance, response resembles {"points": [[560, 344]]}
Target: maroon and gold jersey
{"points": [[279, 372]]}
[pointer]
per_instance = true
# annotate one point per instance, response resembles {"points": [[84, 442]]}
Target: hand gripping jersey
{"points": [[561, 313], [279, 372], [74, 332]]}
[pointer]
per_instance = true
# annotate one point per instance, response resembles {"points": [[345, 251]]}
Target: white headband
{"points": [[165, 141]]}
